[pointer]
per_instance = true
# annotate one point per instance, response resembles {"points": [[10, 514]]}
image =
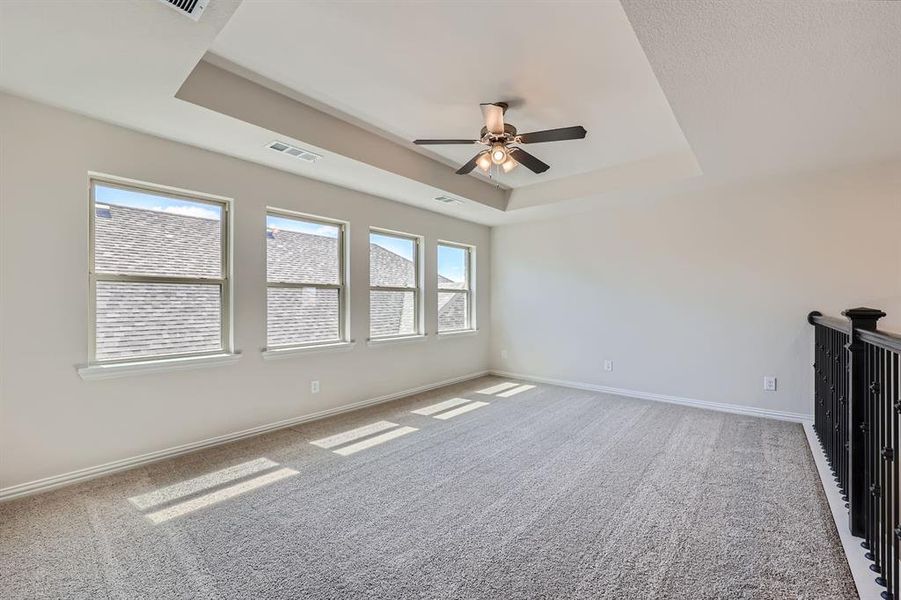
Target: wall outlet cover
{"points": [[608, 365], [314, 387], [769, 384]]}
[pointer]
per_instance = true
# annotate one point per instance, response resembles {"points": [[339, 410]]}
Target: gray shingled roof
{"points": [[141, 319], [144, 319], [133, 241]]}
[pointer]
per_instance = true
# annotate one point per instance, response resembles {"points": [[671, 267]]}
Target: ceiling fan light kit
{"points": [[498, 154], [508, 165], [501, 137]]}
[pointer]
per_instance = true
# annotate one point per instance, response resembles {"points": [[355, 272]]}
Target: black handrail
{"points": [[857, 418], [882, 339], [817, 318]]}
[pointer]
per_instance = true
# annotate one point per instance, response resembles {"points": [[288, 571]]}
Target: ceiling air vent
{"points": [[285, 148], [189, 8], [448, 200]]}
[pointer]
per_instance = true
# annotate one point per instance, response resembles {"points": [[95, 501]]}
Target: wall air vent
{"points": [[189, 8], [448, 200], [285, 148]]}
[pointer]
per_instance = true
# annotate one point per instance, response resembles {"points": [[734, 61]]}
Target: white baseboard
{"points": [[864, 578], [49, 483], [722, 407]]}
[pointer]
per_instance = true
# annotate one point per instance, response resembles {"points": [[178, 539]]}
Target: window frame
{"points": [[224, 281], [417, 279], [342, 286], [469, 291]]}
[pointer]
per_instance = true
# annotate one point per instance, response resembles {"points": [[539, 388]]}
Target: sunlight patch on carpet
{"points": [[198, 484], [497, 388], [374, 441], [463, 409], [220, 495], [514, 391], [436, 408], [353, 434]]}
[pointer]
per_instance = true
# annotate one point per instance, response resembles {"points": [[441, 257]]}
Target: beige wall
{"points": [[52, 422], [699, 294]]}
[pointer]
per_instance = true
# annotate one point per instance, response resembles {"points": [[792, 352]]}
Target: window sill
{"points": [[113, 370], [374, 342], [280, 353], [443, 335]]}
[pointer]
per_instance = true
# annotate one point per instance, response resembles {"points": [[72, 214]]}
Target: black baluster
{"points": [[879, 385], [873, 447], [836, 411], [816, 378], [895, 415], [847, 409], [843, 401]]}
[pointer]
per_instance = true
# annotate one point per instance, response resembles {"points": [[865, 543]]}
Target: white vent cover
{"points": [[448, 200], [190, 8], [286, 148]]}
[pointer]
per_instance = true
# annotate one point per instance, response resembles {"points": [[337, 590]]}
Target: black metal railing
{"points": [[831, 395], [857, 416]]}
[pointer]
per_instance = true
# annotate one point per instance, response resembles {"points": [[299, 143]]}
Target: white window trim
{"points": [[396, 339], [160, 361], [92, 372], [470, 290], [455, 333], [293, 351], [417, 290], [343, 287]]}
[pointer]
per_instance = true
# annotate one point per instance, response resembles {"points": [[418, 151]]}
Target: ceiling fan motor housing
{"points": [[509, 134]]}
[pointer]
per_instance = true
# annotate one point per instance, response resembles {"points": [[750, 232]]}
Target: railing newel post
{"points": [[860, 319]]}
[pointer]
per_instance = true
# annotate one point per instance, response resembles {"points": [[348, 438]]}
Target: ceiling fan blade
{"points": [[529, 161], [437, 142], [553, 135], [468, 167], [494, 117]]}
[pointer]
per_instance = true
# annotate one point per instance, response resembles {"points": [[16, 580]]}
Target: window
{"points": [[305, 282], [394, 291], [454, 287], [159, 274]]}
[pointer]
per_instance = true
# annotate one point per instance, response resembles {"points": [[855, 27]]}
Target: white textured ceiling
{"points": [[123, 62], [421, 70], [757, 87], [762, 87]]}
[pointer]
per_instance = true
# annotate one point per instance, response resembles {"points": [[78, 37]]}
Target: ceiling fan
{"points": [[501, 138]]}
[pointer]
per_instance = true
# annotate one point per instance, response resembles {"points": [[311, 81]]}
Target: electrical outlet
{"points": [[314, 387], [769, 383], [504, 355], [608, 365]]}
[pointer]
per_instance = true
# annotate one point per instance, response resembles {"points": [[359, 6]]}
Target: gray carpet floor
{"points": [[547, 493]]}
